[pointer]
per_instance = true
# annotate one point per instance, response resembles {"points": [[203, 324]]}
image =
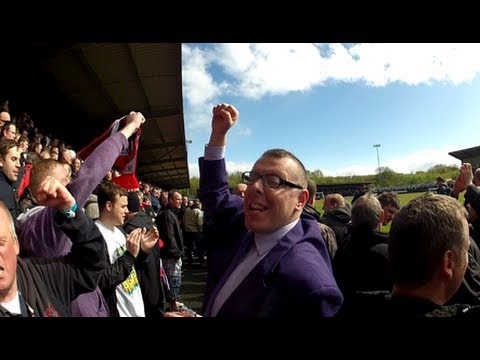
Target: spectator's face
{"points": [[176, 201], [164, 198], [389, 212], [108, 176], [11, 164], [267, 209], [4, 117], [68, 156], [119, 209], [10, 133], [8, 258], [76, 165], [472, 214], [23, 146], [38, 148], [328, 205], [54, 153]]}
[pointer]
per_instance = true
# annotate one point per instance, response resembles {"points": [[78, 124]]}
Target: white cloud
{"points": [[381, 64], [417, 161], [350, 171], [423, 160], [193, 170], [199, 87], [243, 131], [256, 70], [231, 167]]}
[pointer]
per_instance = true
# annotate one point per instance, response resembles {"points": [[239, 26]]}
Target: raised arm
{"points": [[224, 117], [213, 175], [101, 160]]}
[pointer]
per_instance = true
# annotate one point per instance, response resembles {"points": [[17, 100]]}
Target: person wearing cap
{"points": [[149, 272], [91, 207]]}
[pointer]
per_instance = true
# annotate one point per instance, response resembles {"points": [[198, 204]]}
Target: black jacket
{"points": [[8, 194], [48, 285], [151, 284], [116, 273], [168, 226], [382, 305], [469, 290], [340, 221], [361, 263]]}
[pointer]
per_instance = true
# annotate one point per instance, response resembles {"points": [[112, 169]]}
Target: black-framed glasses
{"points": [[268, 180]]}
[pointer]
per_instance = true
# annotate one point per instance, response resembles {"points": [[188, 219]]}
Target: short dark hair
{"points": [[421, 232], [312, 189], [107, 192], [366, 211], [300, 173], [389, 198]]}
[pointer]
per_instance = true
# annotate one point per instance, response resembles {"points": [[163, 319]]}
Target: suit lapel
{"points": [[248, 298], [240, 254]]}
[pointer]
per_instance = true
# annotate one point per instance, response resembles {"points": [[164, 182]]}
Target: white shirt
{"points": [[13, 305], [129, 294]]}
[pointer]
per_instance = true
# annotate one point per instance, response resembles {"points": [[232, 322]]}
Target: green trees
{"points": [[385, 177]]}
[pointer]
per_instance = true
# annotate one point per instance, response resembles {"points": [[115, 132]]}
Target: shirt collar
{"points": [[265, 242]]}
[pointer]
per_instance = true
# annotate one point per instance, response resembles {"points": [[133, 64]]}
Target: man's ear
{"points": [[16, 245], [302, 199], [109, 206], [448, 262]]}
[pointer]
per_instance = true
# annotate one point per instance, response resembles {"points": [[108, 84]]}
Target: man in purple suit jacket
{"points": [[266, 258]]}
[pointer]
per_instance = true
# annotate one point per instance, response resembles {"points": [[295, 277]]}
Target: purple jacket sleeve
{"points": [[38, 234], [96, 166], [213, 191]]}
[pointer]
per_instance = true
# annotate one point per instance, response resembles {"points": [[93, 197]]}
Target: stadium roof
{"points": [[471, 155], [76, 90]]}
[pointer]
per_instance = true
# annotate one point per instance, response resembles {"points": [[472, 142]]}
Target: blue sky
{"points": [[330, 103]]}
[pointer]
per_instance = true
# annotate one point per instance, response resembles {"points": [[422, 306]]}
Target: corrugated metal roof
{"points": [[466, 153], [470, 155], [109, 80]]}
